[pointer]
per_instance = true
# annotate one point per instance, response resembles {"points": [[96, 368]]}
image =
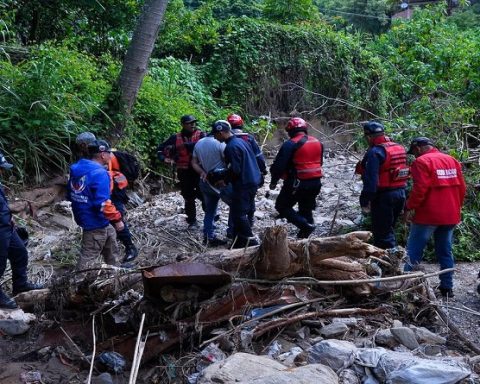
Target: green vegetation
{"points": [[341, 61]]}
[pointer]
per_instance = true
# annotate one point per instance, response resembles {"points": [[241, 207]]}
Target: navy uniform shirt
{"points": [[242, 161]]}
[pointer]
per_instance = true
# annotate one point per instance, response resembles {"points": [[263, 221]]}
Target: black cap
{"points": [[186, 119], [420, 142], [4, 163], [373, 127], [98, 146], [220, 126]]}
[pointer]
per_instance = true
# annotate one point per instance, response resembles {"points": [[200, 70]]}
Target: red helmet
{"points": [[235, 120], [296, 123]]}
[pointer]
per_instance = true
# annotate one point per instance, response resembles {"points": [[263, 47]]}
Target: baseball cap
{"points": [[4, 163], [85, 138], [98, 146], [419, 142], [220, 126], [372, 127], [185, 119]]}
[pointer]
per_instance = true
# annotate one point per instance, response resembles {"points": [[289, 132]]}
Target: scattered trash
{"points": [[112, 360], [31, 377]]}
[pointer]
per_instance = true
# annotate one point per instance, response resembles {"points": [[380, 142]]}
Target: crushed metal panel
{"points": [[182, 274]]}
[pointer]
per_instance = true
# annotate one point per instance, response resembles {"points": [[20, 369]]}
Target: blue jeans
{"points": [[211, 198], [442, 235]]}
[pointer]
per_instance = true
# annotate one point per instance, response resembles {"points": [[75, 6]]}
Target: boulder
{"points": [[243, 368], [423, 335], [334, 330], [336, 354], [405, 336], [385, 338]]}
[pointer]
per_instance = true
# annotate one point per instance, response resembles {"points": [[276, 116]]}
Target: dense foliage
{"points": [[342, 61]]}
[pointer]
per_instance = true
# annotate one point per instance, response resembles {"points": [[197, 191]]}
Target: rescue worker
{"points": [[179, 148], [434, 206], [118, 186], [384, 172], [299, 163], [236, 122], [12, 248], [208, 159], [89, 192], [245, 177]]}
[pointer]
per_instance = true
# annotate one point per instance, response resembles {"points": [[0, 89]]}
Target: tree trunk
{"points": [[136, 61]]}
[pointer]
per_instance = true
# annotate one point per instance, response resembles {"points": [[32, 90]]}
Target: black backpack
{"points": [[129, 165]]}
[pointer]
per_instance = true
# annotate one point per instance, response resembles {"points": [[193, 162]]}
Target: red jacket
{"points": [[438, 189], [307, 160]]}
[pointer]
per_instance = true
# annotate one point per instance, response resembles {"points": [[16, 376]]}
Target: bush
{"points": [[45, 102], [172, 88], [267, 66]]}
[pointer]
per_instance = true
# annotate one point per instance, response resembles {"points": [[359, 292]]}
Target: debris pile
{"points": [[333, 309]]}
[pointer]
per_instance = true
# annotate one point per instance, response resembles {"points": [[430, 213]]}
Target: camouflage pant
{"points": [[98, 242]]}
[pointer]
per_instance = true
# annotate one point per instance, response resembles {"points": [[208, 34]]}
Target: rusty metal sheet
{"points": [[183, 274]]}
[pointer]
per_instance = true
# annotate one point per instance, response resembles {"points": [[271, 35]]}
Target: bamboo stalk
{"points": [[137, 354], [93, 352]]}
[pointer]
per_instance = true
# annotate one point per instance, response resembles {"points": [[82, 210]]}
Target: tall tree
{"points": [[136, 60]]}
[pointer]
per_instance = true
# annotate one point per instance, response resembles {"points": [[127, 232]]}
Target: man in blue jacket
{"points": [[245, 177], [13, 249], [89, 192]]}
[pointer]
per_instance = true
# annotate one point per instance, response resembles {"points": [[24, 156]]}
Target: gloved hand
{"points": [[272, 186]]}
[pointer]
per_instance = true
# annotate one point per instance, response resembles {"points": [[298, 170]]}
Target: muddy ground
{"points": [[161, 234]]}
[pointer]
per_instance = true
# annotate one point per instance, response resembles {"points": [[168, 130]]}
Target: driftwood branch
{"points": [[282, 322]]}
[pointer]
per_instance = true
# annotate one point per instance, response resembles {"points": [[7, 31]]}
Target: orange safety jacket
{"points": [[394, 171], [184, 157], [307, 160]]}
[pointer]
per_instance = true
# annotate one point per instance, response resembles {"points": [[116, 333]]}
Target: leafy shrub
{"points": [[268, 66], [45, 102], [172, 88]]}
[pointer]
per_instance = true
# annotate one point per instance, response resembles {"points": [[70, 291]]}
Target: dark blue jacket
{"points": [[371, 162], [243, 164], [5, 225], [250, 139], [89, 191]]}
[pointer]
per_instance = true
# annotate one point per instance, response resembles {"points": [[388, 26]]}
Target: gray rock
{"points": [[104, 378], [243, 368], [423, 335], [334, 330], [348, 376], [336, 354], [405, 336], [432, 350], [384, 337], [397, 324], [13, 327], [350, 321], [309, 374]]}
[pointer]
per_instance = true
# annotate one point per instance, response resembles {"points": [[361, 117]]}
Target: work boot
{"points": [[242, 242], [7, 302], [305, 232], [28, 286], [213, 242], [446, 292], [131, 253], [193, 225]]}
